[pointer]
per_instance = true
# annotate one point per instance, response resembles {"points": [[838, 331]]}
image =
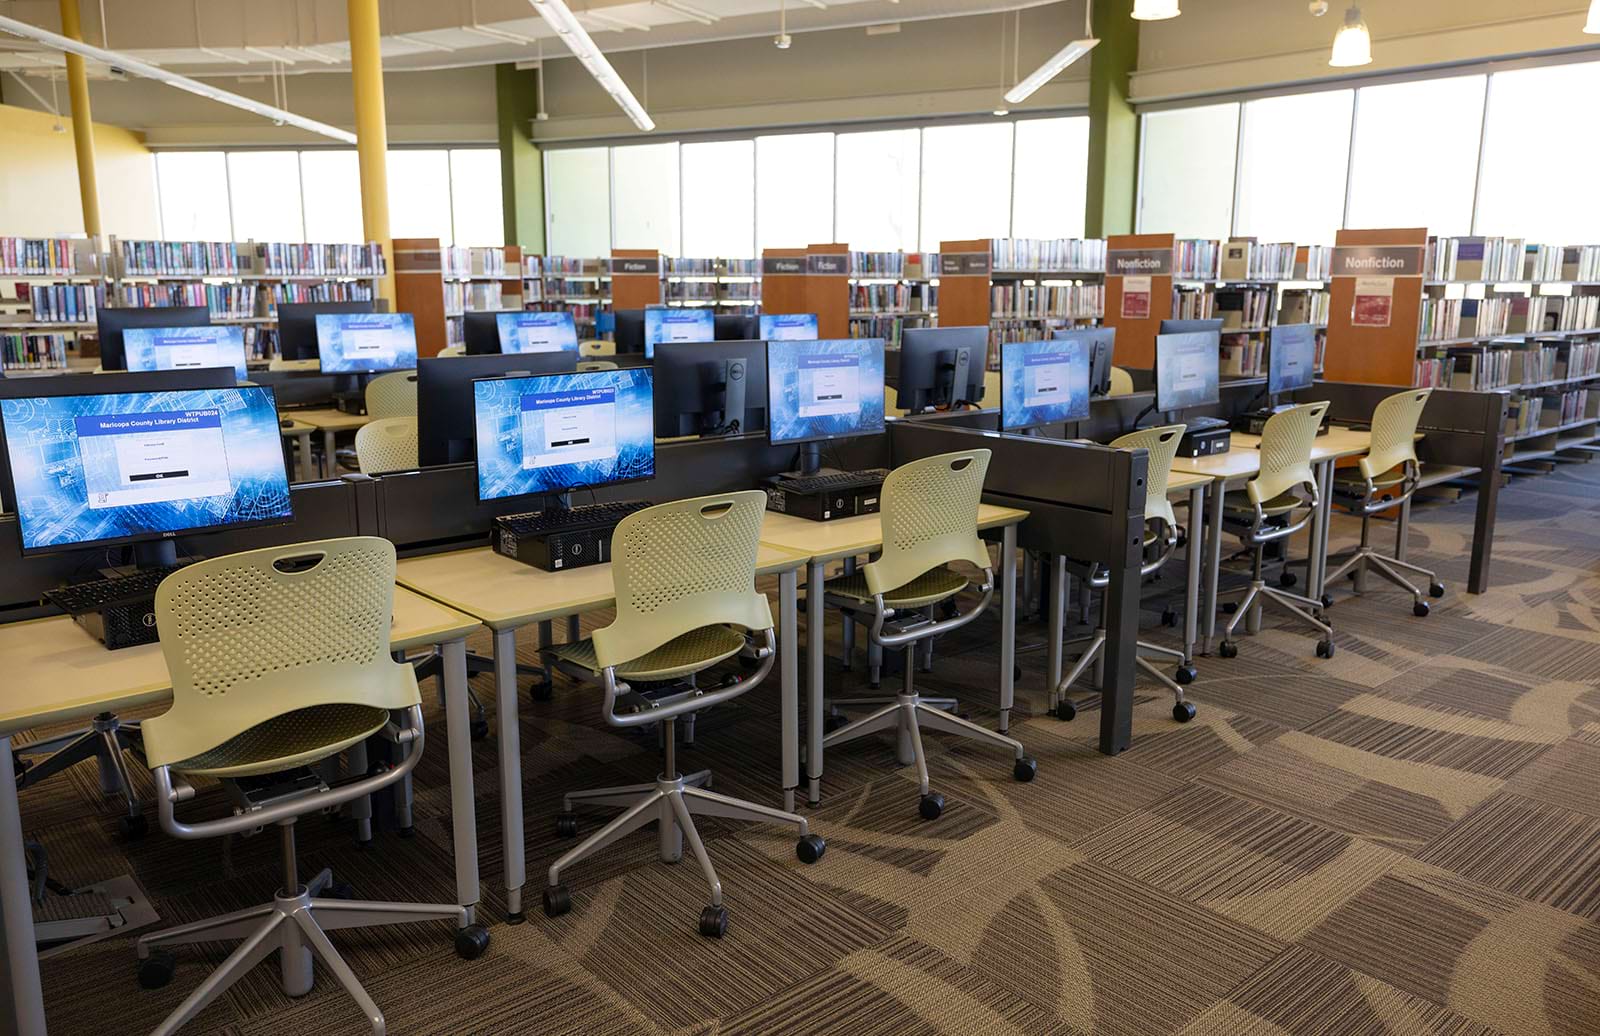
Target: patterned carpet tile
{"points": [[1527, 700], [1566, 777], [1400, 731]]}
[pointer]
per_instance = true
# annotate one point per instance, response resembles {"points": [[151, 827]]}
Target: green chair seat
{"points": [[931, 587], [1237, 506], [293, 739], [688, 653]]}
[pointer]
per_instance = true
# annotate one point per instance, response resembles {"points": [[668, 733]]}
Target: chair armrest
{"points": [[693, 703], [922, 632]]}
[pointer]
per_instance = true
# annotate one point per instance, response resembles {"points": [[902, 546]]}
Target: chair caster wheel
{"points": [[1287, 579], [557, 900], [1169, 618], [714, 922], [1228, 649], [542, 690], [873, 685], [810, 848], [1420, 609], [133, 827], [1064, 710], [471, 941], [1025, 769], [1016, 673], [479, 729], [1327, 600], [1435, 589], [1186, 675], [1229, 607], [1325, 648], [567, 824], [833, 721], [931, 806], [1183, 712], [340, 890], [157, 969]]}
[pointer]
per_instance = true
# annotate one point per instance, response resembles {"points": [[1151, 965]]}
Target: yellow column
{"points": [[372, 134], [82, 126]]}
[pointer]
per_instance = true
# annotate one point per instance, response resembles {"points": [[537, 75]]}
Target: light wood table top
{"points": [[1243, 459], [58, 672], [294, 427], [329, 420], [1181, 481], [827, 541]]}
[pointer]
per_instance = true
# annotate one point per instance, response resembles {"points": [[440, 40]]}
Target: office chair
{"points": [[279, 661], [278, 363], [453, 350], [1161, 534], [686, 600], [387, 444], [1275, 505], [597, 347], [1121, 383], [596, 365], [930, 518], [392, 395], [104, 741], [1386, 477]]}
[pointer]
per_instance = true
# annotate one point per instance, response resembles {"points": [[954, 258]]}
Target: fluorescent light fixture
{"points": [[161, 75], [693, 13], [1352, 44], [1050, 69], [1155, 10], [1592, 26], [557, 15]]}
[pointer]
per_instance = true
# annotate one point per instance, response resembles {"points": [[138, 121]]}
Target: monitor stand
{"points": [[350, 392], [810, 462], [149, 555]]}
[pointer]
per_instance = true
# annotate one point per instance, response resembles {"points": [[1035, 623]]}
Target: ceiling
{"points": [[255, 37]]}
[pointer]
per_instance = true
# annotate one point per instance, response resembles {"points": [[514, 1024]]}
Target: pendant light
{"points": [[1352, 45], [1155, 10]]}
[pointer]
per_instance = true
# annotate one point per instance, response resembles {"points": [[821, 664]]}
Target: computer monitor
{"points": [[111, 323], [527, 332], [710, 388], [184, 348], [831, 388], [480, 334], [559, 432], [1099, 343], [941, 366], [1183, 327], [444, 397], [365, 343], [1043, 382], [1186, 370], [297, 325], [1291, 358], [629, 331], [788, 327], [736, 327], [143, 467], [664, 324]]}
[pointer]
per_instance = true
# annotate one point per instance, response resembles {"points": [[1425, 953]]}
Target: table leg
{"points": [[815, 638], [330, 462], [1317, 566], [1056, 587], [16, 910], [463, 805], [1402, 527], [847, 635], [1191, 588], [303, 444], [789, 681], [1008, 624], [505, 688], [1213, 560]]}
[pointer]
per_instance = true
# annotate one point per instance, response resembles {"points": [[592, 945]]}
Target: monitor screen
{"points": [[677, 325], [825, 389], [557, 432], [536, 332], [788, 327], [297, 325], [92, 470], [1187, 369], [182, 348], [112, 322], [1291, 358], [363, 343], [1044, 382]]}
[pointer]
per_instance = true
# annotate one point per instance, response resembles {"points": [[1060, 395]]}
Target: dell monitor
{"points": [[444, 397], [710, 388], [1186, 370], [736, 327], [662, 324], [365, 343], [480, 334], [831, 388], [111, 323], [788, 327], [1291, 358], [523, 331], [559, 432], [297, 325], [941, 367], [143, 467], [1043, 382], [629, 331], [1098, 343], [1183, 327], [184, 348]]}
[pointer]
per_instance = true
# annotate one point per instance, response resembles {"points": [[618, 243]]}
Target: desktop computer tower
{"points": [[822, 505], [553, 551]]}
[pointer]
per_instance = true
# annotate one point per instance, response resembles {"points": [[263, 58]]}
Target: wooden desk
{"points": [[300, 432], [58, 673], [330, 423]]}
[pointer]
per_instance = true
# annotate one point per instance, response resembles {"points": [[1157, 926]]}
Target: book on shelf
{"points": [[1304, 306], [1243, 307], [1580, 263], [1045, 255], [464, 296], [1532, 363], [464, 261], [177, 258], [692, 291], [1522, 414], [889, 327], [881, 297], [1190, 303], [572, 266], [1433, 372], [38, 256], [1313, 263], [1242, 355], [1480, 368], [1574, 360], [878, 264], [325, 291], [28, 350], [64, 303], [1578, 312], [1541, 263], [1195, 259], [681, 267], [1473, 259], [229, 301], [1246, 259], [1040, 301], [306, 259], [1528, 314]]}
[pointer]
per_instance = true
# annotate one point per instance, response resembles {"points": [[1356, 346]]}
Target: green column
{"points": [[521, 167], [1113, 127]]}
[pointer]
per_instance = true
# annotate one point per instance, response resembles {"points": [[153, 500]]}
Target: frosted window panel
{"points": [[266, 195], [1187, 163], [1052, 177], [1292, 165], [194, 195], [578, 209], [1541, 156], [966, 182], [419, 195], [1416, 155], [475, 199], [719, 199], [879, 184], [794, 190], [644, 193], [331, 183]]}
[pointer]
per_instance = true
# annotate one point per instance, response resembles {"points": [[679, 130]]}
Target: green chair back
{"points": [[1394, 429], [1162, 445], [1286, 442], [392, 395], [387, 445], [929, 512]]}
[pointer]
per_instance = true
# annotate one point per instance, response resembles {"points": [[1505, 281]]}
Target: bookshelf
{"points": [[49, 291], [728, 285], [439, 284], [635, 278], [1260, 286], [569, 284], [890, 291]]}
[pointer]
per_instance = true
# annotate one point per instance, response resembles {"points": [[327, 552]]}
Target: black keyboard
{"points": [[589, 516], [834, 480], [83, 598], [1205, 424]]}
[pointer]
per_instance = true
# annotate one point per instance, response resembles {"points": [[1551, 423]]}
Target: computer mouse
{"points": [[285, 423]]}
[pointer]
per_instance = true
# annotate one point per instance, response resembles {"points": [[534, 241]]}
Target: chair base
{"points": [[1368, 559], [1302, 608], [1061, 706], [105, 742]]}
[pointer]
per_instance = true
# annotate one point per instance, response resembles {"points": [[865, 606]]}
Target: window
{"points": [[794, 190], [878, 184], [719, 199], [265, 187], [419, 195], [478, 213], [1051, 179], [1539, 158], [1415, 158], [578, 209], [645, 202], [331, 184], [1187, 169], [966, 182], [193, 190], [1293, 157]]}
